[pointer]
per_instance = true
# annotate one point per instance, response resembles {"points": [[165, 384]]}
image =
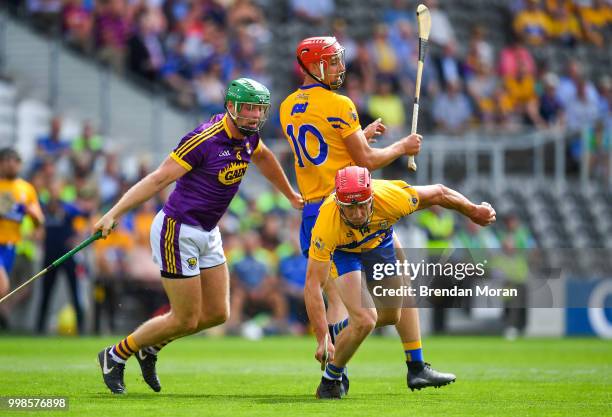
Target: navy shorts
{"points": [[309, 218], [346, 262], [7, 257]]}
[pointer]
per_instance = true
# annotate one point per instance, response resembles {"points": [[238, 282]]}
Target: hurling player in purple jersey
{"points": [[207, 165]]}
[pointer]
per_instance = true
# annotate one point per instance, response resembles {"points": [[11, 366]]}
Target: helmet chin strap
{"points": [[310, 73]]}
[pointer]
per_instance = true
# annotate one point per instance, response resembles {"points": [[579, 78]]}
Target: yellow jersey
{"points": [[392, 201], [315, 121], [15, 195]]}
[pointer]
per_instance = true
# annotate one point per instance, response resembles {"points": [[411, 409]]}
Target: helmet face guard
{"points": [[368, 202], [327, 60], [245, 124]]}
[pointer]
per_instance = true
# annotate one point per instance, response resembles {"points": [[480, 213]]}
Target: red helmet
{"points": [[320, 50], [353, 186]]}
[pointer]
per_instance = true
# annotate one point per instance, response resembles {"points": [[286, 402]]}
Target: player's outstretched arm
{"points": [[269, 166], [316, 276], [375, 158], [440, 195], [168, 172]]}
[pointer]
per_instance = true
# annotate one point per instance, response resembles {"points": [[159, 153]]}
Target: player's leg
{"points": [[185, 300], [420, 375], [336, 313], [214, 284], [209, 259], [334, 383], [174, 247]]}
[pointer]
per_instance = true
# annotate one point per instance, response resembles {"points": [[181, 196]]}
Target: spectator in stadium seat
{"points": [[449, 66], [387, 105], [382, 53], [111, 32], [513, 55], [550, 106], [109, 183], [86, 149], [51, 146], [177, 73], [452, 109], [77, 25], [521, 90], [210, 89], [60, 237], [313, 12], [568, 84], [480, 51], [532, 24], [564, 27], [255, 288], [594, 19], [444, 33], [481, 87], [145, 52], [581, 112]]}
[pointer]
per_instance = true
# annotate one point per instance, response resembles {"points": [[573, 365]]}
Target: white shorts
{"points": [[181, 250]]}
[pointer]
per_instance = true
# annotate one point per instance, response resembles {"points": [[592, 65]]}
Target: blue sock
{"points": [[333, 372], [338, 327], [413, 351]]}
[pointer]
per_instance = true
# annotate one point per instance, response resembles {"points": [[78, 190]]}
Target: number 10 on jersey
{"points": [[299, 144]]}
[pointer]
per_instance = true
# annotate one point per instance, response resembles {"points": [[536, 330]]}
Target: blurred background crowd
{"points": [[523, 75]]}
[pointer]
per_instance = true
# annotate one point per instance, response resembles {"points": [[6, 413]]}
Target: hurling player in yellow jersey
{"points": [[324, 132], [17, 199], [355, 230]]}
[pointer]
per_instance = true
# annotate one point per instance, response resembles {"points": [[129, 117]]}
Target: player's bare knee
{"points": [[364, 323], [218, 316], [185, 323], [388, 317]]}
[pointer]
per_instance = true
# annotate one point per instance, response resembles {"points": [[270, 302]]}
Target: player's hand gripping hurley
{"points": [[424, 24]]}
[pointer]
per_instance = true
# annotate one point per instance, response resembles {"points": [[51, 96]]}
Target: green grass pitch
{"points": [[205, 376]]}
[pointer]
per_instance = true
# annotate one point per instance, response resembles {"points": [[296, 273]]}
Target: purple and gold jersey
{"points": [[216, 163]]}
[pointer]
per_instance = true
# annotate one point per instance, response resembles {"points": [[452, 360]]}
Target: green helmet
{"points": [[244, 91]]}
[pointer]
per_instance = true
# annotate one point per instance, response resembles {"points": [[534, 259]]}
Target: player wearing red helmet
{"points": [[355, 224], [322, 58], [323, 129]]}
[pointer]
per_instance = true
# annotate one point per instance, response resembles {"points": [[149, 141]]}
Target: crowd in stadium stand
{"points": [[193, 48]]}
